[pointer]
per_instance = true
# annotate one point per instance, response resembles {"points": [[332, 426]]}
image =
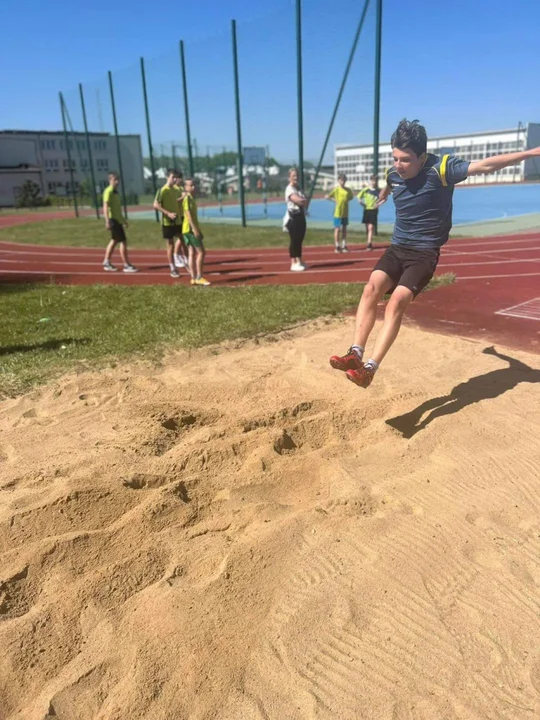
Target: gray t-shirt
{"points": [[424, 203]]}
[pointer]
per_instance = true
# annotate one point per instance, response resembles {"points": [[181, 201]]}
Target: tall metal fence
{"points": [[226, 107]]}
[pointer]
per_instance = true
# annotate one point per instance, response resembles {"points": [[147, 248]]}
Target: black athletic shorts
{"points": [[411, 267], [117, 231], [171, 231], [370, 217]]}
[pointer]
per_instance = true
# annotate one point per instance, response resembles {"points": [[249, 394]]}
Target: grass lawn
{"points": [[88, 232], [51, 329]]}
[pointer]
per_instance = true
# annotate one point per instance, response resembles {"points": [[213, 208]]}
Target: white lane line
{"points": [[528, 310]]}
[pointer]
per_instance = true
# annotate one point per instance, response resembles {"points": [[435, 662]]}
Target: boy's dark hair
{"points": [[114, 174], [409, 134], [172, 171], [342, 176], [374, 177]]}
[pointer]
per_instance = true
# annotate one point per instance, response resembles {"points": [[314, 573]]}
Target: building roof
{"points": [[348, 146], [61, 132]]}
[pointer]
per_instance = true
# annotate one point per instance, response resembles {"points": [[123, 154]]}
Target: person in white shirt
{"points": [[294, 221]]}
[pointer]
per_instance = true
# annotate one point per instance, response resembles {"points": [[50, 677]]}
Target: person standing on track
{"points": [[115, 222], [422, 185], [167, 202], [368, 198], [294, 221], [342, 196]]}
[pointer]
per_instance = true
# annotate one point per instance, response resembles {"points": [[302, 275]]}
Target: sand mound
{"points": [[243, 534]]}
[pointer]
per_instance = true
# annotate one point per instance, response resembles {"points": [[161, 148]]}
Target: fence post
{"points": [[119, 154], [94, 192], [377, 108], [66, 140], [299, 92], [186, 109], [238, 127], [340, 94], [148, 133]]}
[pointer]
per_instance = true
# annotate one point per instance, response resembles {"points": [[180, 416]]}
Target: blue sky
{"points": [[459, 66]]}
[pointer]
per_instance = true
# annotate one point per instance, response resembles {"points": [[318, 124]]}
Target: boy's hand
{"points": [[199, 236], [107, 224], [171, 216]]}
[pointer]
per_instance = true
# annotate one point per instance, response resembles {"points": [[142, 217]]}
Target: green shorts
{"points": [[192, 240]]}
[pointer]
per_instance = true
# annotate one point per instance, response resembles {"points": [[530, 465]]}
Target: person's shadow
{"points": [[481, 387]]}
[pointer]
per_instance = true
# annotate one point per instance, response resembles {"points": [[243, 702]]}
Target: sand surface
{"points": [[242, 534]]}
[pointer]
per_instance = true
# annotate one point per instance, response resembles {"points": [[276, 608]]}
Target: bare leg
{"points": [[343, 236], [124, 253], [170, 250], [369, 227], [397, 305], [201, 252], [378, 284], [336, 236], [191, 261], [109, 251], [180, 247]]}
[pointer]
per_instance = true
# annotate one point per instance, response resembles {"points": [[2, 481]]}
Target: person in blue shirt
{"points": [[422, 186]]}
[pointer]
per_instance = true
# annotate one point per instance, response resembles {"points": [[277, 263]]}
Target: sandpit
{"points": [[242, 534]]}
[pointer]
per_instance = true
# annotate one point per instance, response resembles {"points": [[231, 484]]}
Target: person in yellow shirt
{"points": [[342, 196], [368, 198], [192, 234], [168, 202], [115, 222]]}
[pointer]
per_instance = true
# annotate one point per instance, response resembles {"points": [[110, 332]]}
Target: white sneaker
{"points": [[344, 249], [298, 267], [130, 269], [180, 261], [109, 268]]}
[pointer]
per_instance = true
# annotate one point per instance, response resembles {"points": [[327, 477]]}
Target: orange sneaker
{"points": [[349, 361], [362, 377]]}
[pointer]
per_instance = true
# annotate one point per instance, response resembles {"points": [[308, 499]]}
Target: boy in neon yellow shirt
{"points": [[168, 202], [342, 196], [193, 235], [115, 223], [368, 198]]}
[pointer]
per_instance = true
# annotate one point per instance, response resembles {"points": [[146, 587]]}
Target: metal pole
{"points": [[377, 107], [299, 92], [186, 109], [118, 153], [238, 127], [94, 193], [340, 95], [173, 152], [66, 140], [149, 134]]}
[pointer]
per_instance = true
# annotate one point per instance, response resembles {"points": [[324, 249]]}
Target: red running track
{"points": [[493, 275]]}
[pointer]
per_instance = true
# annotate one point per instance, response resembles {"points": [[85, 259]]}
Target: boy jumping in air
{"points": [[422, 185], [342, 196], [115, 222], [193, 235]]}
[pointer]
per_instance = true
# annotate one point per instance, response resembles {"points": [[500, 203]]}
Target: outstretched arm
{"points": [[497, 162]]}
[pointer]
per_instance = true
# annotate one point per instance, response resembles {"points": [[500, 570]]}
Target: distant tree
{"points": [[30, 195]]}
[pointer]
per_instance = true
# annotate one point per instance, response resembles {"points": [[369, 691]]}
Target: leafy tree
{"points": [[29, 195]]}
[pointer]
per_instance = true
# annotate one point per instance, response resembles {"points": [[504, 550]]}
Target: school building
{"points": [[42, 156], [356, 161]]}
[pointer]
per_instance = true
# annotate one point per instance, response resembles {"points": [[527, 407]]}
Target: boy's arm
{"points": [[106, 214], [360, 197], [157, 206], [192, 223], [383, 196], [331, 195], [170, 215], [497, 162]]}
